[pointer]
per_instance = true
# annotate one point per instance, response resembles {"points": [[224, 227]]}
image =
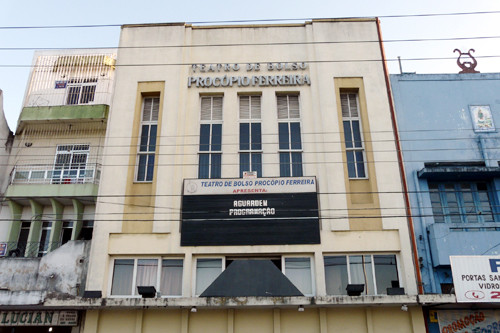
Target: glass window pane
{"points": [[356, 134], [295, 136], [469, 205], [437, 209], [73, 95], [298, 271], [87, 94], [122, 277], [257, 163], [256, 137], [207, 270], [452, 203], [152, 138], [171, 277], [204, 137], [144, 138], [284, 137], [347, 134], [244, 163], [351, 166], [215, 170], [297, 164], [361, 272], [285, 165], [386, 272], [147, 273], [244, 137], [216, 137], [360, 164], [203, 166], [336, 275], [151, 165], [141, 169]]}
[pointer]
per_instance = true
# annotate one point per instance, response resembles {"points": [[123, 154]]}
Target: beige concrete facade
{"points": [[321, 62]]}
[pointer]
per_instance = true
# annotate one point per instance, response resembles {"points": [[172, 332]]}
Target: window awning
{"points": [[459, 173], [251, 278]]}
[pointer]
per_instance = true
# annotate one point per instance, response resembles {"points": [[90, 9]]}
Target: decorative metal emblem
{"points": [[466, 65]]}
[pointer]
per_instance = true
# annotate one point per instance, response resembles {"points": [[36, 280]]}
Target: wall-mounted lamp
{"points": [[355, 289], [301, 308], [193, 309], [404, 307], [146, 291]]}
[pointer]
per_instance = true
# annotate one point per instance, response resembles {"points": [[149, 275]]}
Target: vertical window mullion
{"points": [[134, 277]]}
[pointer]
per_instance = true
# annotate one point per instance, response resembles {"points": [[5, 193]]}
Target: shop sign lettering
{"points": [[278, 74], [38, 318]]}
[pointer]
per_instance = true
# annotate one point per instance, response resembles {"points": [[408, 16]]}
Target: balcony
{"points": [[29, 249], [53, 174], [42, 181]]}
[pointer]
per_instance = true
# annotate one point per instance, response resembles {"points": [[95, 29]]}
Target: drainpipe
{"points": [[400, 163], [425, 236]]}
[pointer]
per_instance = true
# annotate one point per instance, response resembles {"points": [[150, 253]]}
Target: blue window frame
{"points": [[147, 142], [462, 202]]}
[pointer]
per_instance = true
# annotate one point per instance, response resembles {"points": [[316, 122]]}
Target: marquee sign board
{"points": [[262, 211], [476, 278]]}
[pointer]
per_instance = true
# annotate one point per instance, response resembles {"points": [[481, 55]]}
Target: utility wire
{"points": [[250, 44], [267, 61], [250, 21]]}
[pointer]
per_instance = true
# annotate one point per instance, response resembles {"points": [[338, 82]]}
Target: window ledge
{"points": [[231, 302]]}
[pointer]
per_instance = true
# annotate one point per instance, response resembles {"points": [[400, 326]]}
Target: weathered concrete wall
{"points": [[59, 273]]}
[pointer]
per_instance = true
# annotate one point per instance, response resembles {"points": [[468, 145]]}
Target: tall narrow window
{"points": [[353, 136], [290, 143], [210, 151], [45, 246], [250, 135], [147, 144]]}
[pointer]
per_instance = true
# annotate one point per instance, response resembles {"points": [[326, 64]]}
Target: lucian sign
{"points": [[38, 318]]}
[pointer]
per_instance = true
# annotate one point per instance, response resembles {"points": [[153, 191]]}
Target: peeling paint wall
{"points": [[59, 273]]}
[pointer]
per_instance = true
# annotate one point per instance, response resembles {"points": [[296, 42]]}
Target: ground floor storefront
{"points": [[371, 319]]}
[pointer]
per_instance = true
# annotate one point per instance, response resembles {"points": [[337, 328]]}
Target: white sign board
{"points": [[476, 278], [249, 186]]}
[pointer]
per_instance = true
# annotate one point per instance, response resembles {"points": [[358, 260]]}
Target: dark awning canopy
{"points": [[444, 173], [251, 278]]}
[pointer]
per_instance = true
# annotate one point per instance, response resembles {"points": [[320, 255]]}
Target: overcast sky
{"points": [[14, 64]]}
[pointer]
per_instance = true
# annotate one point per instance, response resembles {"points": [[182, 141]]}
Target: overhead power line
{"points": [[276, 61], [252, 44], [251, 21]]}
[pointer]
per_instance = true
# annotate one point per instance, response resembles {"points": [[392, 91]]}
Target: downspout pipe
{"points": [[400, 163]]}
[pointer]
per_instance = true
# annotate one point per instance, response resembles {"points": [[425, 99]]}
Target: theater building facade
{"points": [[251, 183]]}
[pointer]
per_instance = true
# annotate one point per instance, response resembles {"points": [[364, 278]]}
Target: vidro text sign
{"points": [[476, 278]]}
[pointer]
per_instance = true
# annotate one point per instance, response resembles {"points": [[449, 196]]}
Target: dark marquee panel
{"points": [[250, 219]]}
